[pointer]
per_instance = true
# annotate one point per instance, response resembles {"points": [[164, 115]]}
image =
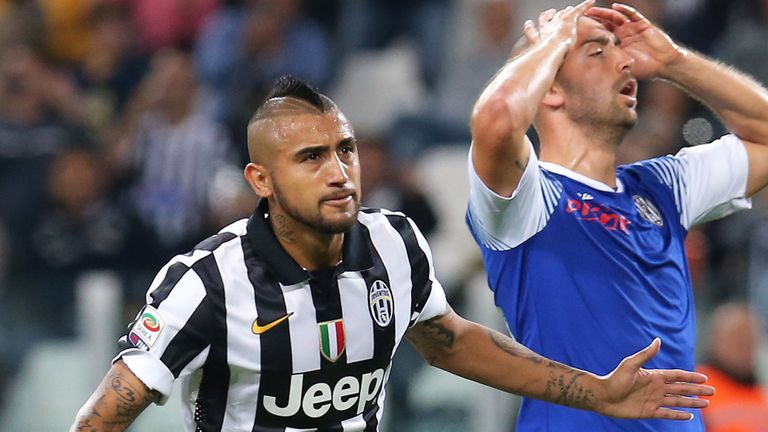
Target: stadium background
{"points": [[122, 141]]}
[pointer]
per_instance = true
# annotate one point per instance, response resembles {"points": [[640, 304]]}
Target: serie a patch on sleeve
{"points": [[147, 328]]}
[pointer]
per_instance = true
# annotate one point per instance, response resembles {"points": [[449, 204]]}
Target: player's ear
{"points": [[555, 98], [259, 178]]}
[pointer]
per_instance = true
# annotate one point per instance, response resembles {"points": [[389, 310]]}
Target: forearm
{"points": [[521, 84], [120, 398], [740, 101], [488, 357]]}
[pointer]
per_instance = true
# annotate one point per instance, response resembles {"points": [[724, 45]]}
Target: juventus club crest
{"points": [[380, 303], [331, 339], [647, 210]]}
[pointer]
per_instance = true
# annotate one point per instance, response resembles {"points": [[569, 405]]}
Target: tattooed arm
{"points": [[120, 398], [488, 357]]}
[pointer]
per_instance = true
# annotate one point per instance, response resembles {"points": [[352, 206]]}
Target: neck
{"points": [[590, 152], [310, 249]]}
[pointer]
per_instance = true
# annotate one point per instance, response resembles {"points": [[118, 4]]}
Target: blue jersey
{"points": [[586, 274]]}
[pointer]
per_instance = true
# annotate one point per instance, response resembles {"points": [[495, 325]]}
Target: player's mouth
{"points": [[339, 199], [629, 91]]}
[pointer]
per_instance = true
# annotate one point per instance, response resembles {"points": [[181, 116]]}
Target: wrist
{"points": [[678, 58]]}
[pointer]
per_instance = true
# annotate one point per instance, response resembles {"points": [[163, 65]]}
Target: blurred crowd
{"points": [[122, 126]]}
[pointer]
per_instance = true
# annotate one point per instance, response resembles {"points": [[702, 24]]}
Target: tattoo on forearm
{"points": [[117, 406], [513, 348], [562, 386]]}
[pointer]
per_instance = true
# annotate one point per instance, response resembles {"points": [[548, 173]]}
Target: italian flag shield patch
{"points": [[331, 339]]}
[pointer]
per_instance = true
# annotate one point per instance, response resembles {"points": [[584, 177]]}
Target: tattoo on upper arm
{"points": [[431, 337], [563, 385]]}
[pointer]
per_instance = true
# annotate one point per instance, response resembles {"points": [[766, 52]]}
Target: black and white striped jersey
{"points": [[260, 344]]}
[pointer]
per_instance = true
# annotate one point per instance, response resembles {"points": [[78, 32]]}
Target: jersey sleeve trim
{"points": [[708, 181], [501, 223]]}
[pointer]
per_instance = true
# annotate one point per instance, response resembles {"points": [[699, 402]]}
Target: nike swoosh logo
{"points": [[259, 329]]}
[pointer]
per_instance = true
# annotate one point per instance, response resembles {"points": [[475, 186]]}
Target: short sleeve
{"points": [[150, 348], [432, 302], [708, 181], [717, 179], [501, 223]]}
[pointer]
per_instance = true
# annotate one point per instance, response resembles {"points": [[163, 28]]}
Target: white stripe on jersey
{"points": [[243, 353], [392, 251], [358, 327], [303, 327], [355, 424]]}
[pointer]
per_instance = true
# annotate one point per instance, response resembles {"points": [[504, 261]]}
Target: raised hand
{"points": [[554, 23], [651, 48], [634, 392]]}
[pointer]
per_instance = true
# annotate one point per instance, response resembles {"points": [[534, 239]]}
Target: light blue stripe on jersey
{"points": [[672, 172]]}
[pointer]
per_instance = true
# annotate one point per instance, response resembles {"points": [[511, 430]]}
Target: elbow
{"points": [[494, 121]]}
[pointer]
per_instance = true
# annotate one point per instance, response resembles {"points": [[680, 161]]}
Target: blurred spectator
{"points": [[741, 403], [39, 116], [445, 118], [171, 150], [249, 44], [745, 42], [382, 187], [80, 228], [373, 24], [67, 27], [112, 68], [168, 23]]}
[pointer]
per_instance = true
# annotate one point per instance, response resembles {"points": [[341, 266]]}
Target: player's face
{"points": [[315, 172], [597, 80]]}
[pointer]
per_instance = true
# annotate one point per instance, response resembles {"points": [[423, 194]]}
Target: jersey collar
{"points": [[356, 253], [573, 175]]}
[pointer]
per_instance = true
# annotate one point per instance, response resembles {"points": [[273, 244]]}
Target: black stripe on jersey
{"points": [[211, 401], [383, 338], [174, 274], [327, 302], [213, 242], [275, 345], [209, 318], [421, 284]]}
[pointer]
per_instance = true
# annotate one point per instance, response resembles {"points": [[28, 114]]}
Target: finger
{"points": [[689, 389], [639, 358], [685, 402], [677, 375], [629, 11], [546, 17], [582, 7], [601, 14], [530, 32], [670, 414]]}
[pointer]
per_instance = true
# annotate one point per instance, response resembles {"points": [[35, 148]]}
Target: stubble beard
{"points": [[316, 220]]}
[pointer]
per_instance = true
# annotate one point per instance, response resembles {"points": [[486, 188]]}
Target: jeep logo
{"points": [[318, 399]]}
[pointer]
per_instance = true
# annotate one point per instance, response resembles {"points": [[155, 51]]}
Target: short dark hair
{"points": [[290, 86]]}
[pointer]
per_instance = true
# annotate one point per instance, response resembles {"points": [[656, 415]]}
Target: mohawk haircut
{"points": [[288, 96], [290, 86]]}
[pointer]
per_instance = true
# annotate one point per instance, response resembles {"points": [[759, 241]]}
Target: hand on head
{"points": [[561, 24], [651, 48]]}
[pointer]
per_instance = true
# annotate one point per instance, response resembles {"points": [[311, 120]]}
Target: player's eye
{"points": [[597, 53]]}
